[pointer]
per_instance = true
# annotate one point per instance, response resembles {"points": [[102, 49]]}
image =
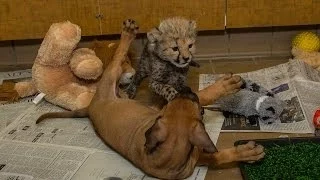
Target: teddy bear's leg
{"points": [[73, 96], [25, 88], [85, 64]]}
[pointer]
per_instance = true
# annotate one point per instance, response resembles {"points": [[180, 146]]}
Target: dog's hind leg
{"points": [[249, 152], [109, 81]]}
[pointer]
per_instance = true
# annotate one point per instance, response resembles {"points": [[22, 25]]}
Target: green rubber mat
{"points": [[286, 158]]}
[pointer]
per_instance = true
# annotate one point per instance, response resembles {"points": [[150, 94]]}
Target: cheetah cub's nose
{"points": [[186, 58]]}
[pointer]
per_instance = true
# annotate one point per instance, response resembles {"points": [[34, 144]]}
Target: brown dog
{"points": [[166, 144]]}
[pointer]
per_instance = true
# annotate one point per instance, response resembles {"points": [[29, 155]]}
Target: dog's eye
{"points": [[190, 45], [175, 48], [265, 118]]}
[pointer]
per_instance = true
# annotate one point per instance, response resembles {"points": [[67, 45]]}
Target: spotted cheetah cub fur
{"points": [[166, 58]]}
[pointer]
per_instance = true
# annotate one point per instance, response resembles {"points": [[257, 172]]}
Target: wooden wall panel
{"points": [[259, 13], [209, 14], [249, 13], [316, 12], [30, 19]]}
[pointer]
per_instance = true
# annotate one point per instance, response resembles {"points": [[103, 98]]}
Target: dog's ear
{"points": [[155, 135], [199, 137]]}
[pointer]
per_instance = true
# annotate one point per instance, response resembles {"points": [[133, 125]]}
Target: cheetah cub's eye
{"points": [[175, 48], [190, 45]]}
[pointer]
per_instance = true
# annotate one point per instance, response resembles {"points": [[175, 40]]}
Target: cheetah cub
{"points": [[166, 58]]}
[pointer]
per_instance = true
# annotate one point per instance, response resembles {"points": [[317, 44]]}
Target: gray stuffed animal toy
{"points": [[254, 102]]}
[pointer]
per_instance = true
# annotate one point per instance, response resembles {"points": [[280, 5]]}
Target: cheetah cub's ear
{"points": [[192, 29], [193, 25], [153, 36]]}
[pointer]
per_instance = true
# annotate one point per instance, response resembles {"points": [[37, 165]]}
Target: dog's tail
{"points": [[80, 113]]}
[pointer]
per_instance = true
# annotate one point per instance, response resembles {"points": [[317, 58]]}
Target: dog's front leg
{"points": [[113, 72], [249, 152], [226, 85]]}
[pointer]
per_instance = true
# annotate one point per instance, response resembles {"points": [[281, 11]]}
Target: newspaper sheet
{"points": [[61, 131], [80, 133], [26, 161], [14, 176], [289, 81], [96, 168], [21, 74], [11, 111]]}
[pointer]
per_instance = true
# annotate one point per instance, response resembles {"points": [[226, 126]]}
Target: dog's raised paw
{"points": [[130, 26]]}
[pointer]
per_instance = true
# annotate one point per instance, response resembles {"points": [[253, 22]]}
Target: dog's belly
{"points": [[117, 122]]}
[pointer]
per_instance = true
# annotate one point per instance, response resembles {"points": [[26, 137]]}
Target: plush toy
{"points": [[66, 75], [305, 47], [254, 102], [306, 41]]}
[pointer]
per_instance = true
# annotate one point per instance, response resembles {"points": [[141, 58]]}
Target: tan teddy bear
{"points": [[312, 58], [66, 76]]}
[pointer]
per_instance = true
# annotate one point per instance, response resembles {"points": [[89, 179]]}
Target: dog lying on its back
{"points": [[166, 144]]}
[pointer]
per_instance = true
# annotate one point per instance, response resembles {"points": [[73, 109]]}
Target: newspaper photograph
{"points": [[26, 161], [289, 82]]}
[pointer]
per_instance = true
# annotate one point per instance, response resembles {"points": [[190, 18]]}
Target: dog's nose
{"points": [[186, 58]]}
